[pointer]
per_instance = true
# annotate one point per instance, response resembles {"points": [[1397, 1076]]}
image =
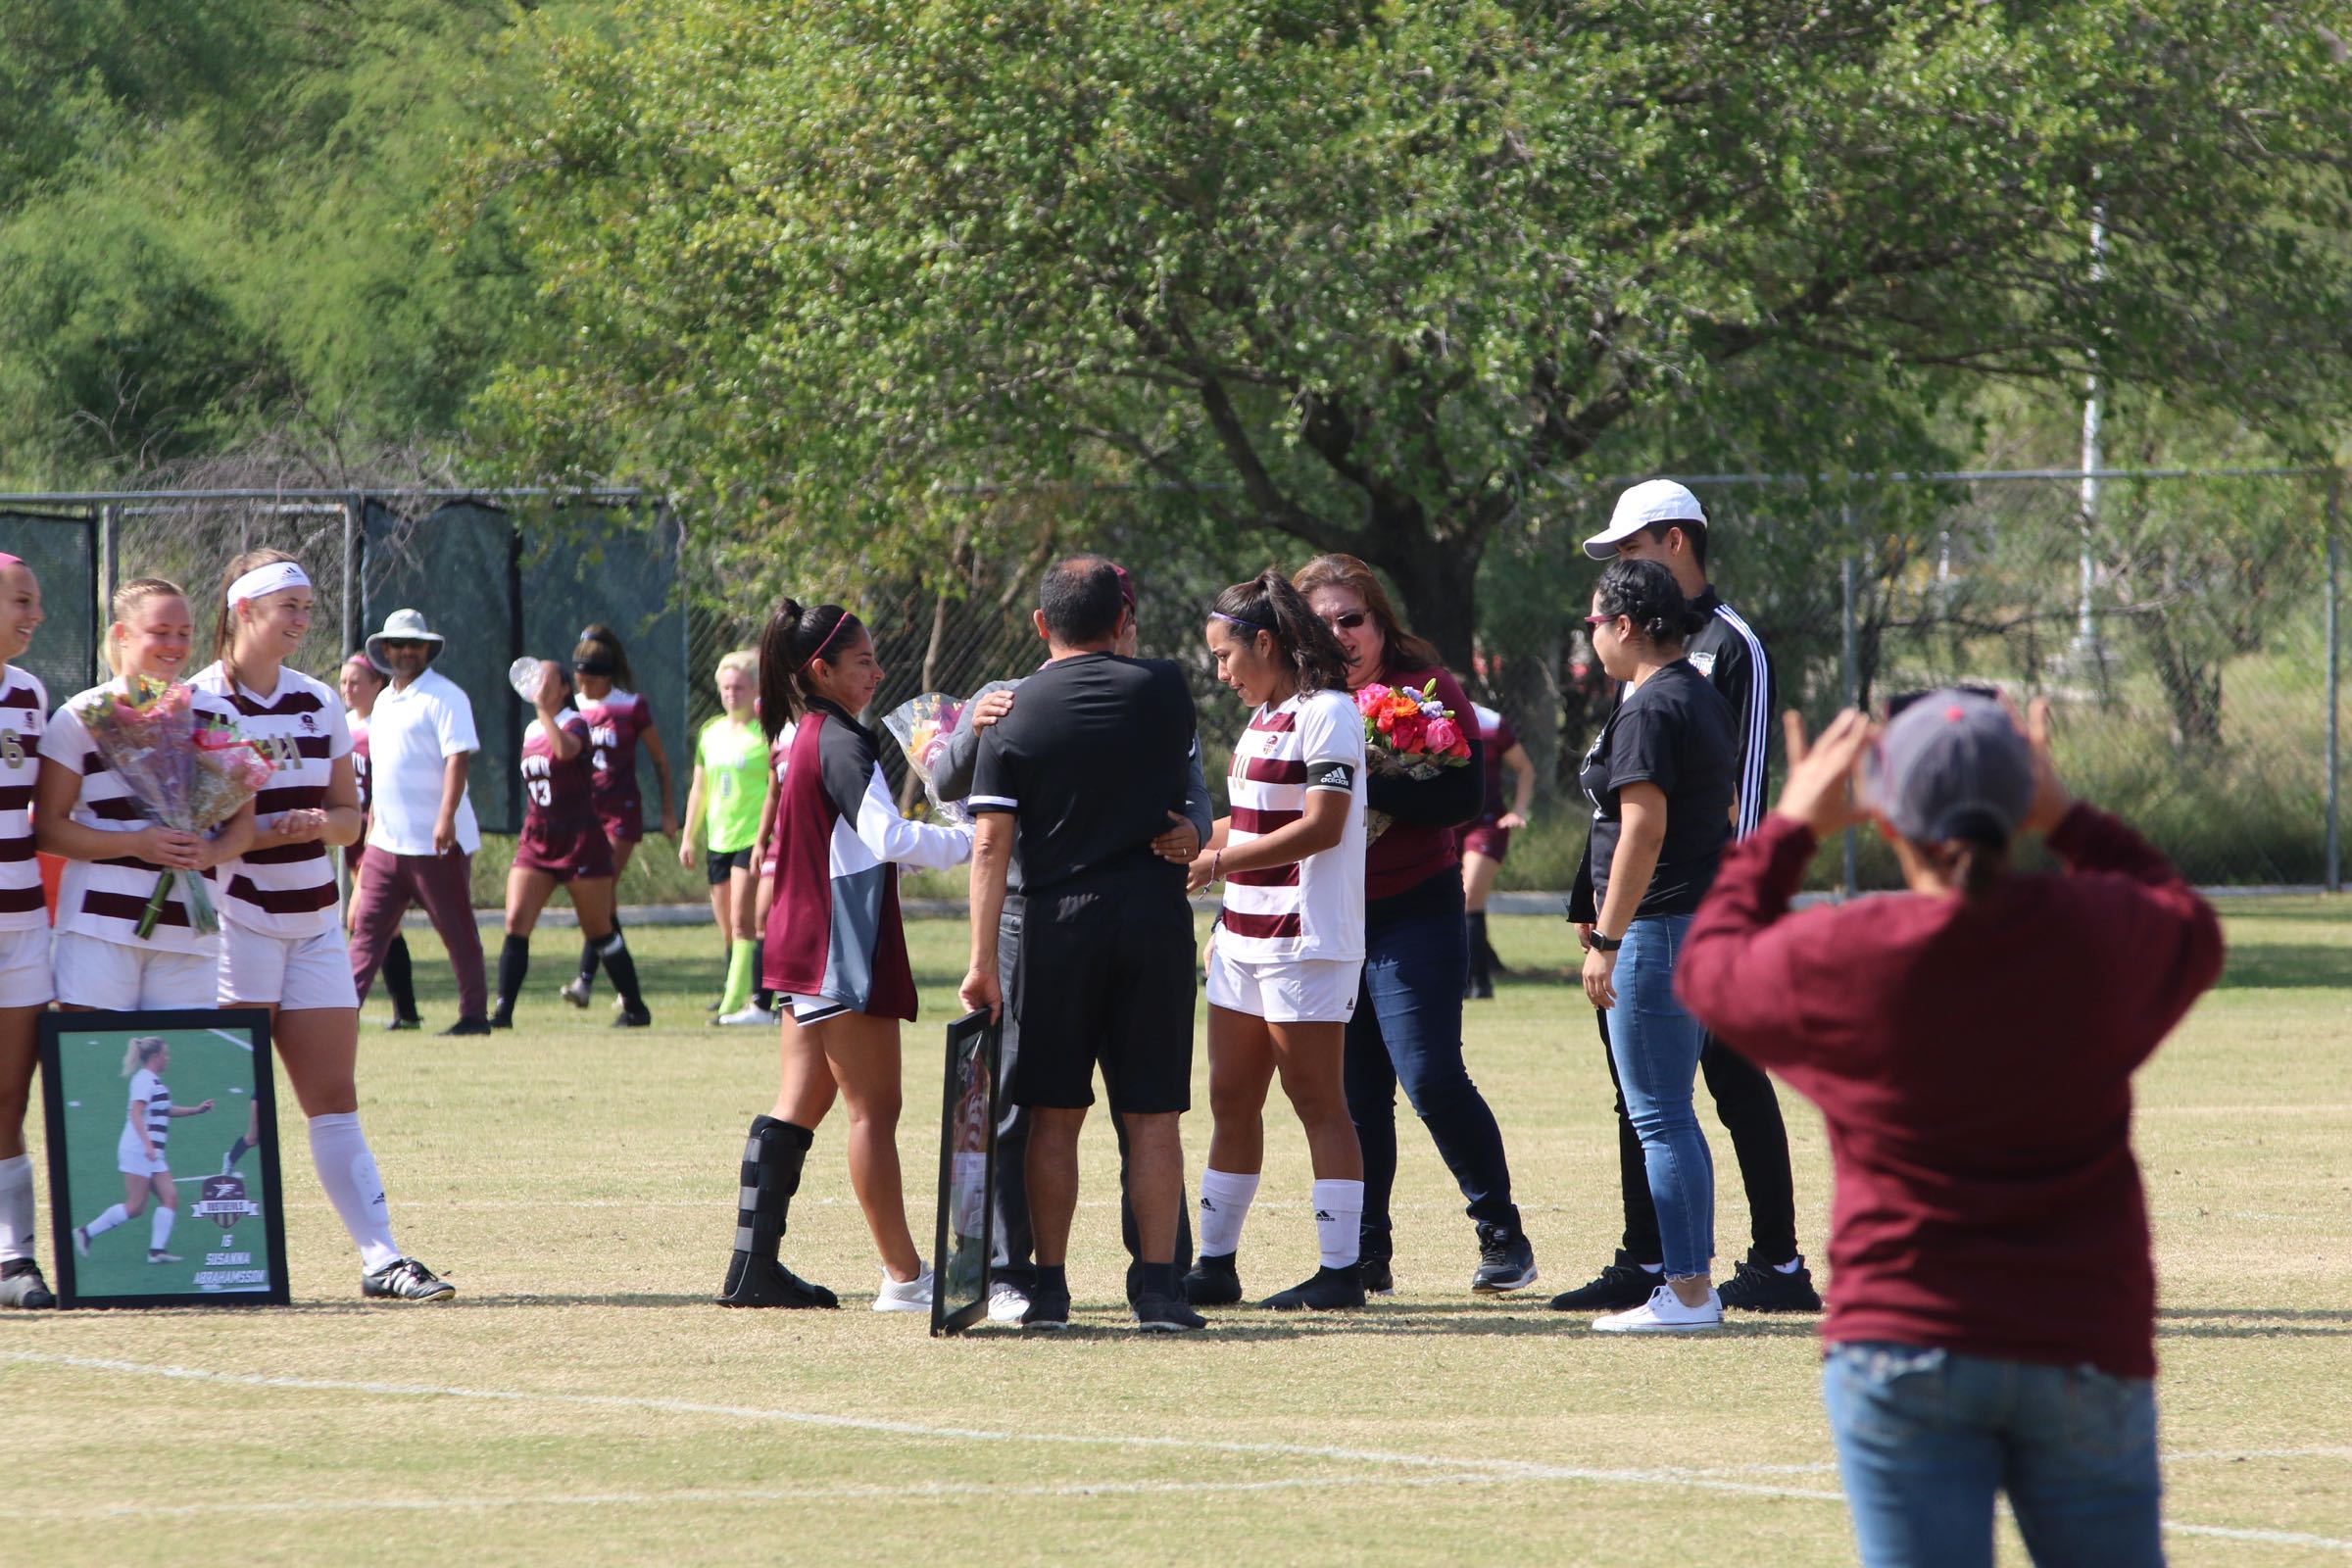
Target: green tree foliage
{"points": [[1366, 275]]}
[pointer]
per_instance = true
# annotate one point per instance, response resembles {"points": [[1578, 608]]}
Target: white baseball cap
{"points": [[1651, 500]]}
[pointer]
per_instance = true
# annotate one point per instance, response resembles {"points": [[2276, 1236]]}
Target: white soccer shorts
{"points": [[130, 1157], [294, 972], [1285, 990], [93, 973], [24, 974]]}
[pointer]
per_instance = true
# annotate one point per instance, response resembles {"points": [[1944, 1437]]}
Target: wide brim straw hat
{"points": [[403, 626]]}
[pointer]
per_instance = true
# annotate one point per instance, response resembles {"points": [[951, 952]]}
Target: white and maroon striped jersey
{"points": [[23, 715], [1311, 909], [146, 1086], [105, 898], [287, 890]]}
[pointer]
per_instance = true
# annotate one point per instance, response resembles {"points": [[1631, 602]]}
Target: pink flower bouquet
{"points": [[1407, 734]]}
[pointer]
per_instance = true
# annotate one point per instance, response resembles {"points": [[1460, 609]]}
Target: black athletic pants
{"points": [[1015, 1260], [1749, 1110]]}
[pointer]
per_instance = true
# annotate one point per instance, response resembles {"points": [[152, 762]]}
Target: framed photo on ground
{"points": [[967, 1176], [163, 1159]]}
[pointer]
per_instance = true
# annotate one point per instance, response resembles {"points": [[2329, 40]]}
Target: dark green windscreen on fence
{"points": [[61, 552], [499, 584]]}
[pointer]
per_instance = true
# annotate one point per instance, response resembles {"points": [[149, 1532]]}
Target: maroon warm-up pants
{"points": [[442, 884]]}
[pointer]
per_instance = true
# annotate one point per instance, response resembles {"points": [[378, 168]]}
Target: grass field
{"points": [[582, 1403]]}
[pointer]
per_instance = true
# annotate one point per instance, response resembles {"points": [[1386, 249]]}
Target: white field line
{"points": [[238, 1041], [1442, 1470]]}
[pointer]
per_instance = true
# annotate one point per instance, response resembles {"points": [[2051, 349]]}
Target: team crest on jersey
{"points": [[224, 1201], [310, 723], [1704, 663]]}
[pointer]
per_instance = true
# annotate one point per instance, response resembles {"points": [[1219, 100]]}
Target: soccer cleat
{"points": [[774, 1285], [158, 1255], [574, 991], [903, 1296], [1164, 1314], [1212, 1282], [467, 1026], [1663, 1313], [82, 1241], [22, 1286], [502, 1020], [398, 1024], [1377, 1278], [1755, 1286], [406, 1280], [1505, 1261], [637, 1019], [1051, 1312], [1006, 1302], [750, 1013], [1624, 1283], [1331, 1290]]}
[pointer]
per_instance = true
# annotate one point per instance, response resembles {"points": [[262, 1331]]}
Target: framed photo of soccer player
{"points": [[967, 1176], [163, 1159]]}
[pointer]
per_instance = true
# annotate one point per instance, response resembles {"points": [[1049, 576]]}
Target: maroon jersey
{"points": [[560, 832], [613, 726]]}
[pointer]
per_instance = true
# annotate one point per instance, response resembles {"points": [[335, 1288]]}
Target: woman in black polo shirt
{"points": [[1660, 777]]}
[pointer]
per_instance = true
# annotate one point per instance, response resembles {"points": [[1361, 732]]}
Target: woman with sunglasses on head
{"points": [[25, 987], [840, 959], [1288, 953], [1661, 775], [620, 720], [281, 935], [1408, 1025]]}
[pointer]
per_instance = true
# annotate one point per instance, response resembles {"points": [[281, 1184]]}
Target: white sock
{"points": [[346, 1170], [159, 1228], [1340, 1222], [1224, 1204], [15, 1209], [116, 1215]]}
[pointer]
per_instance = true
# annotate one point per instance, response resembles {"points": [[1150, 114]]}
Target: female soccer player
{"points": [[620, 720], [841, 956], [562, 843], [1971, 1042], [725, 807], [1288, 953], [282, 943], [1408, 1025], [360, 684], [114, 853], [139, 1152], [1661, 776], [25, 985]]}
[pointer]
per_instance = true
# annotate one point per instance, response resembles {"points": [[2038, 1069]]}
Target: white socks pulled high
{"points": [[15, 1209], [346, 1170], [1225, 1199], [158, 1226], [1340, 1222]]}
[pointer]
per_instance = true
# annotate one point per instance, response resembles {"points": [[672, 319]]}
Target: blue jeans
{"points": [[1407, 1029], [1925, 1438], [1655, 1045]]}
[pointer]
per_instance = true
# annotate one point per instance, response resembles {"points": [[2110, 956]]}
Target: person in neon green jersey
{"points": [[724, 807]]}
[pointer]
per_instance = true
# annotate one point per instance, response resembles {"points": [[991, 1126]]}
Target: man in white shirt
{"points": [[421, 838]]}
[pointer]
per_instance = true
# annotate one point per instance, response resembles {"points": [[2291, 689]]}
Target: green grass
{"points": [[582, 1403]]}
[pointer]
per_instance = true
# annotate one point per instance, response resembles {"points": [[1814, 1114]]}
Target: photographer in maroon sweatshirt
{"points": [[1970, 1044]]}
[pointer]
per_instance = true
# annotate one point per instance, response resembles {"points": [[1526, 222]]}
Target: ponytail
{"points": [[599, 653], [142, 1049], [1268, 603], [1971, 851], [794, 638]]}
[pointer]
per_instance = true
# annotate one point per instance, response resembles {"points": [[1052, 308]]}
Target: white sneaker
{"points": [[1664, 1313], [903, 1296], [1006, 1302], [752, 1014]]}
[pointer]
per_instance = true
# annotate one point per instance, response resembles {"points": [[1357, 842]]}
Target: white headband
{"points": [[275, 577]]}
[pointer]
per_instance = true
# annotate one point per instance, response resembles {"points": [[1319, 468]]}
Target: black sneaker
{"points": [[1331, 1290], [638, 1019], [1164, 1314], [1051, 1312], [398, 1022], [1212, 1282], [1622, 1286], [1482, 989], [22, 1286], [1505, 1261], [467, 1026], [1755, 1286], [1374, 1272], [498, 1020], [781, 1288], [406, 1281]]}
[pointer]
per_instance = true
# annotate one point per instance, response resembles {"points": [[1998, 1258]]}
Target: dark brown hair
{"points": [[1267, 603], [1401, 649], [794, 638], [599, 653]]}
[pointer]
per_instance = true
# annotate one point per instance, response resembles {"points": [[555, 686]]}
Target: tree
{"points": [[1365, 275]]}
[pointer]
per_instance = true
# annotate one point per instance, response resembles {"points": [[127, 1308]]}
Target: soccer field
{"points": [[582, 1402]]}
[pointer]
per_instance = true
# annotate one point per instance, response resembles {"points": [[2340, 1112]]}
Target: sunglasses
{"points": [[1599, 620], [391, 642], [1346, 622]]}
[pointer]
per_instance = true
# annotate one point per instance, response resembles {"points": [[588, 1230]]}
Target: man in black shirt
{"points": [[1661, 520], [1080, 777]]}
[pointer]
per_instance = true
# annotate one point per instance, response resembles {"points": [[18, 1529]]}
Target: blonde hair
{"points": [[127, 599], [745, 660], [142, 1046]]}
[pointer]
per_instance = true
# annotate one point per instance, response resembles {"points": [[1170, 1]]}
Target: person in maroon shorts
{"points": [[620, 720], [562, 843]]}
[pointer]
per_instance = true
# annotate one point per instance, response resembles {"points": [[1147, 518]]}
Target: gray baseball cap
{"points": [[1951, 766]]}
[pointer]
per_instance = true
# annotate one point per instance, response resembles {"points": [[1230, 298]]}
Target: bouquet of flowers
{"points": [[923, 725], [189, 771], [1407, 734]]}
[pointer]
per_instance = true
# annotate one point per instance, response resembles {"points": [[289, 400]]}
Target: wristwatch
{"points": [[1602, 943]]}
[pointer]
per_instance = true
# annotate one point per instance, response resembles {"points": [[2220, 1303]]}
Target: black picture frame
{"points": [[81, 1069], [974, 1054]]}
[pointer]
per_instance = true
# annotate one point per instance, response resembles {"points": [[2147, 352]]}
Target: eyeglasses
{"points": [[1346, 622]]}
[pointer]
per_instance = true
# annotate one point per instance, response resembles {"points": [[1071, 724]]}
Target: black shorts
{"points": [[718, 864], [1107, 977]]}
